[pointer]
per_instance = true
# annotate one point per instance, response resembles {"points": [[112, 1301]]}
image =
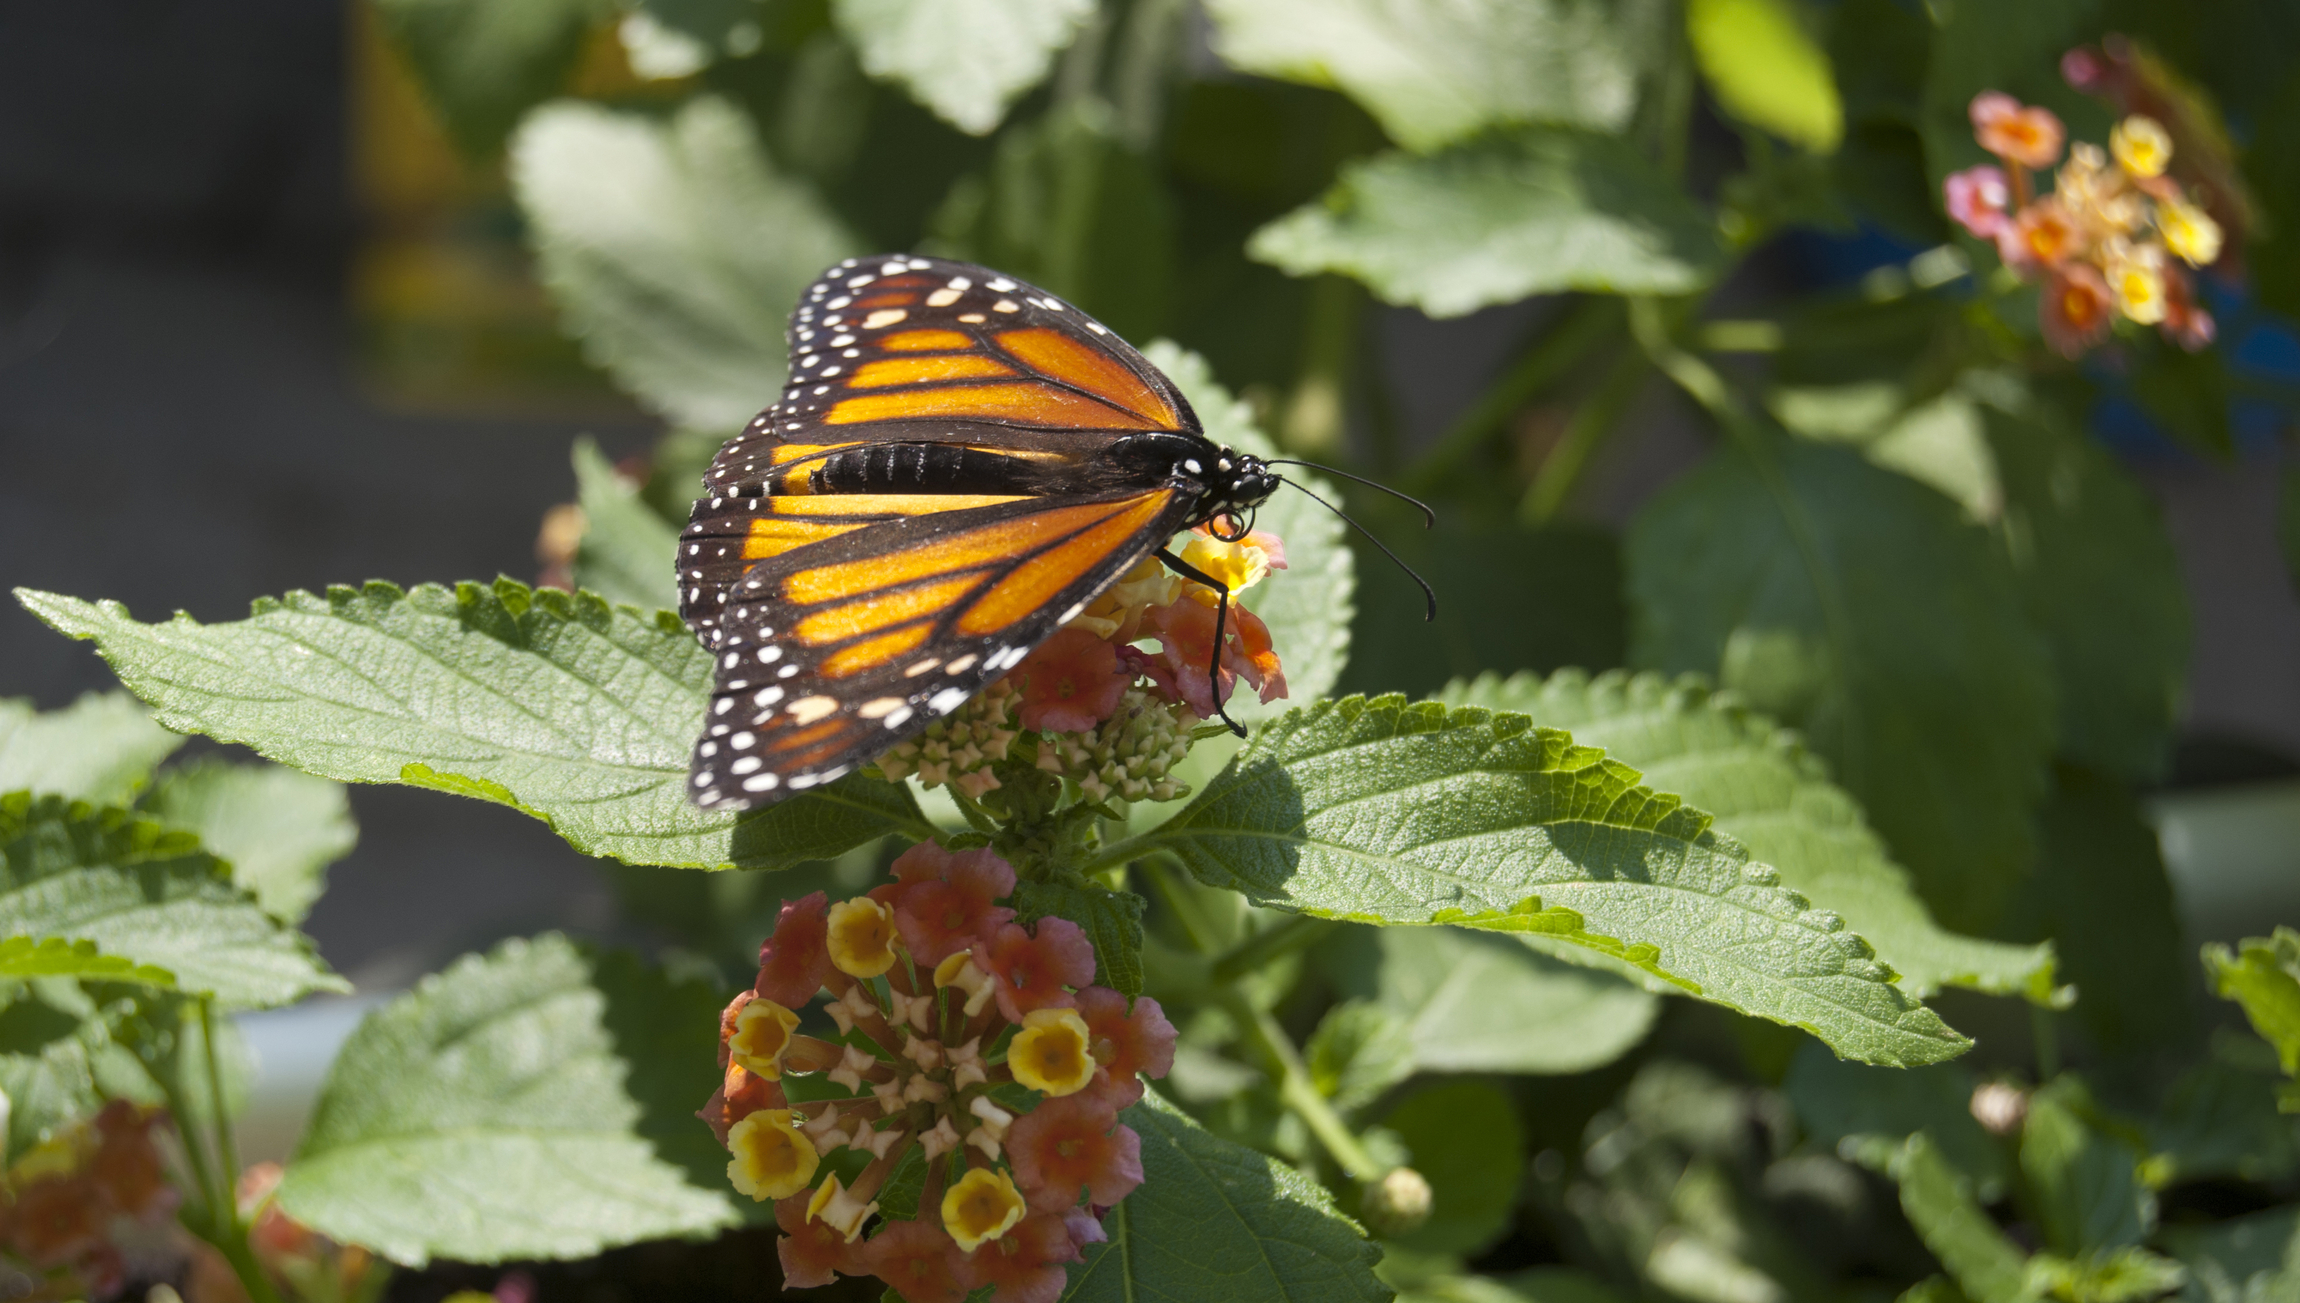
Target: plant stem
{"points": [[1297, 1090], [2047, 1040], [1311, 425], [1584, 434], [1267, 945], [1582, 327]]}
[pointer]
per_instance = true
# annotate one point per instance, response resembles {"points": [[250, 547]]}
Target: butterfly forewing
{"points": [[929, 500]]}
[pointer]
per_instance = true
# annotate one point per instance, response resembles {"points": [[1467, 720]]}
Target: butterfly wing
{"points": [[934, 493], [833, 651]]}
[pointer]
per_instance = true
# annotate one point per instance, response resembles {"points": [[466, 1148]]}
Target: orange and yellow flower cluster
{"points": [[1109, 716], [968, 1044], [2114, 237], [65, 1203]]}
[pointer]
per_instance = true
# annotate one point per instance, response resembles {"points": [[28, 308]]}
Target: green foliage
{"points": [[1477, 1002], [25, 957], [965, 59], [149, 896], [2251, 1259], [1434, 73], [100, 748], [2083, 1184], [1383, 812], [1767, 70], [628, 553], [1112, 919], [1464, 1137], [1766, 791], [1531, 211], [532, 1102], [1856, 606], [1214, 1220], [278, 828], [556, 704], [648, 232], [1870, 1111], [1987, 1266], [484, 63], [2263, 977]]}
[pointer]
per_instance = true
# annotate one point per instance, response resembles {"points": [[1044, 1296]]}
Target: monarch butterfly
{"points": [[958, 464]]}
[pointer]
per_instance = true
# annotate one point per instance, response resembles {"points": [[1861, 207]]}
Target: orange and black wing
{"points": [[836, 648]]}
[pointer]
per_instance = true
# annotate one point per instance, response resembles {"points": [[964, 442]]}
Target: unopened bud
{"points": [[2000, 1107], [1397, 1203]]}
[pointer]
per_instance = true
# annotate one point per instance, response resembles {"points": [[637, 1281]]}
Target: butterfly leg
{"points": [[1221, 628]]}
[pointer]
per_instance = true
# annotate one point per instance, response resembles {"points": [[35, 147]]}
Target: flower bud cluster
{"points": [[66, 1199], [1110, 717], [965, 1039], [2111, 237]]}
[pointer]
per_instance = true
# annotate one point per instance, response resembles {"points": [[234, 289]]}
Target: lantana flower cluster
{"points": [[1096, 709], [2113, 237], [67, 1204], [970, 1045]]}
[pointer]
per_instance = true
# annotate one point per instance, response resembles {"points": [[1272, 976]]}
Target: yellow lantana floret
{"points": [[981, 1207], [771, 1159], [2136, 280], [1051, 1052], [2188, 232], [839, 1210], [1147, 584], [2141, 145], [862, 937], [762, 1034], [1236, 566]]}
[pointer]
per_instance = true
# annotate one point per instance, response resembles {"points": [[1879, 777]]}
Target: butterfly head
{"points": [[1237, 483]]}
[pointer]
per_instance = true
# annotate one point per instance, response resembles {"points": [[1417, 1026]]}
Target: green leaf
{"points": [[1383, 812], [2125, 1275], [1534, 211], [533, 1102], [1434, 72], [60, 1060], [150, 896], [2100, 581], [628, 553], [554, 703], [2084, 1185], [2249, 1259], [1773, 796], [675, 250], [1477, 1002], [1859, 607], [1357, 1051], [279, 829], [1214, 1220], [1308, 605], [2263, 977], [2100, 890], [26, 957], [1838, 1102], [1767, 70], [100, 749], [1466, 1140], [2220, 1120], [965, 59], [1939, 1204], [1112, 919], [484, 63]]}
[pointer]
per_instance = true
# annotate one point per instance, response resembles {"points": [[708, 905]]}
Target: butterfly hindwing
{"points": [[829, 653]]}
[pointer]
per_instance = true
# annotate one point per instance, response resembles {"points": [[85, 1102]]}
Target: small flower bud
{"points": [[844, 1212], [966, 1066], [852, 1067], [2000, 1106], [923, 1052], [1397, 1203], [960, 971], [940, 1140]]}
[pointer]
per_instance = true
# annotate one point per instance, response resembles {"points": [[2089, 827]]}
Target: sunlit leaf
{"points": [[965, 59], [101, 748], [628, 553], [2263, 977], [280, 829], [1767, 70]]}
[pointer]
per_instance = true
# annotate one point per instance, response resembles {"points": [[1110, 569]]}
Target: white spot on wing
{"points": [[883, 317], [942, 298], [806, 710]]}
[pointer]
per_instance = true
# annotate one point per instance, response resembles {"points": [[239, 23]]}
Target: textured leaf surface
{"points": [[1766, 791], [1534, 211], [279, 829], [557, 704], [1385, 812], [1859, 607], [1939, 1203], [150, 896], [483, 63], [1767, 70], [1433, 71], [965, 59], [1477, 1002], [25, 956], [2099, 579], [1218, 1221], [100, 748], [675, 250], [628, 553], [533, 1102], [1308, 605]]}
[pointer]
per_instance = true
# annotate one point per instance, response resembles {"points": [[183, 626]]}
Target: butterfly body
{"points": [[959, 464]]}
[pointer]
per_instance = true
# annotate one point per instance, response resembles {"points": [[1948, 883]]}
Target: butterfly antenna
{"points": [[1429, 517], [1427, 591]]}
